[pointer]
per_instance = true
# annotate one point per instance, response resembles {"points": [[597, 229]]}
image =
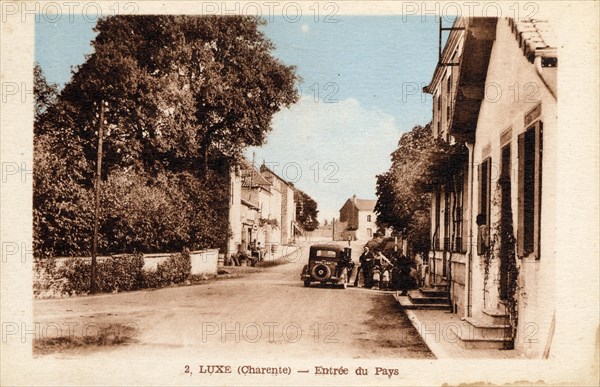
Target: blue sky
{"points": [[352, 110]]}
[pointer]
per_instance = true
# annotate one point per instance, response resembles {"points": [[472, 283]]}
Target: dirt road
{"points": [[267, 313]]}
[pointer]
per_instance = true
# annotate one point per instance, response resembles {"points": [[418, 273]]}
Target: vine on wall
{"points": [[270, 221], [487, 263], [503, 250]]}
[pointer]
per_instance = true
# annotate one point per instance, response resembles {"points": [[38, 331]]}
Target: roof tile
{"points": [[536, 37], [365, 205]]}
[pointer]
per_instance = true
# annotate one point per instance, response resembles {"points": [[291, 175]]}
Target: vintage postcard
{"points": [[299, 193]]}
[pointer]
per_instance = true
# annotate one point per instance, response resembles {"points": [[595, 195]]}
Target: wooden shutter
{"points": [[521, 201], [538, 186]]}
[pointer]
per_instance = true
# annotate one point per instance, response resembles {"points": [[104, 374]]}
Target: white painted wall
{"points": [[204, 261], [514, 88], [364, 225], [275, 212], [288, 214], [235, 211]]}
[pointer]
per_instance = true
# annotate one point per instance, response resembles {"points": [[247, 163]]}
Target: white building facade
{"points": [[493, 229]]}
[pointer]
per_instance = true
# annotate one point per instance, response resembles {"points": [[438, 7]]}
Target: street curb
{"points": [[434, 347]]}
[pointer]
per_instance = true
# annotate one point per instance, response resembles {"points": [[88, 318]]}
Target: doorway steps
{"points": [[491, 331], [432, 297]]}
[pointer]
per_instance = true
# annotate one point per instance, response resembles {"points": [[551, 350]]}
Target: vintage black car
{"points": [[328, 263]]}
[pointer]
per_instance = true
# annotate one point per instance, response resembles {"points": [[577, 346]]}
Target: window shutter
{"points": [[521, 177], [538, 184], [480, 207]]}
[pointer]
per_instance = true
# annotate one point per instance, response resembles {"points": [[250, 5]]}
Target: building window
{"points": [[483, 218], [368, 218], [530, 191]]}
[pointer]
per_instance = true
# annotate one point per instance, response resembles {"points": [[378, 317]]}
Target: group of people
{"points": [[251, 254], [382, 273]]}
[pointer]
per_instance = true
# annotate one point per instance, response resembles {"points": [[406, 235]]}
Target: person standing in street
{"points": [[382, 263], [365, 262], [404, 268], [376, 277], [385, 279], [244, 254]]}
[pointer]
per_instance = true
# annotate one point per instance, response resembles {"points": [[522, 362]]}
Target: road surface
{"points": [[267, 313]]}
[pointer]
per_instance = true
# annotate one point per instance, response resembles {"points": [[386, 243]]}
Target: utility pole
{"points": [[97, 201], [333, 229]]}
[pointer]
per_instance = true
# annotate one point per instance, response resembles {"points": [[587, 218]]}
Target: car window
{"points": [[326, 254]]}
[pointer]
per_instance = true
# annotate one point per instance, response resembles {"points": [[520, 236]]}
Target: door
{"points": [[506, 229]]}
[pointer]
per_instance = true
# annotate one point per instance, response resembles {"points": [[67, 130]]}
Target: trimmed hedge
{"points": [[176, 269], [114, 274]]}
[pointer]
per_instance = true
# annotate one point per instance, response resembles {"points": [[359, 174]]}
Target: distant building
{"points": [[252, 198], [259, 191], [359, 218], [262, 207], [288, 204]]}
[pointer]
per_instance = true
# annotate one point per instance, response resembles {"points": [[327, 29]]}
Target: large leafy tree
{"points": [[404, 192], [306, 211], [181, 97], [178, 88], [62, 203], [45, 93]]}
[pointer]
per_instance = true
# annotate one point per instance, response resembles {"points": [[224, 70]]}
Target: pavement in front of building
{"points": [[438, 327]]}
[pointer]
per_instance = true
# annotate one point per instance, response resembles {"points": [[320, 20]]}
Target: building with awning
{"points": [[297, 229], [492, 225]]}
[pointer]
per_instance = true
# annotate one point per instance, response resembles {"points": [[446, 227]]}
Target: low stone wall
{"points": [[151, 261], [203, 261]]}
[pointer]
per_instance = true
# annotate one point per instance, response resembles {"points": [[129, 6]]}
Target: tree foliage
{"points": [[181, 97], [306, 212], [177, 88], [45, 93], [403, 192]]}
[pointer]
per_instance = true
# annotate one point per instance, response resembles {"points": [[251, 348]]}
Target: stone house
{"points": [[493, 226], [359, 218]]}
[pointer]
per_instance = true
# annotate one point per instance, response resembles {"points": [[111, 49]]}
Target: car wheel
{"points": [[321, 272], [306, 283]]}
